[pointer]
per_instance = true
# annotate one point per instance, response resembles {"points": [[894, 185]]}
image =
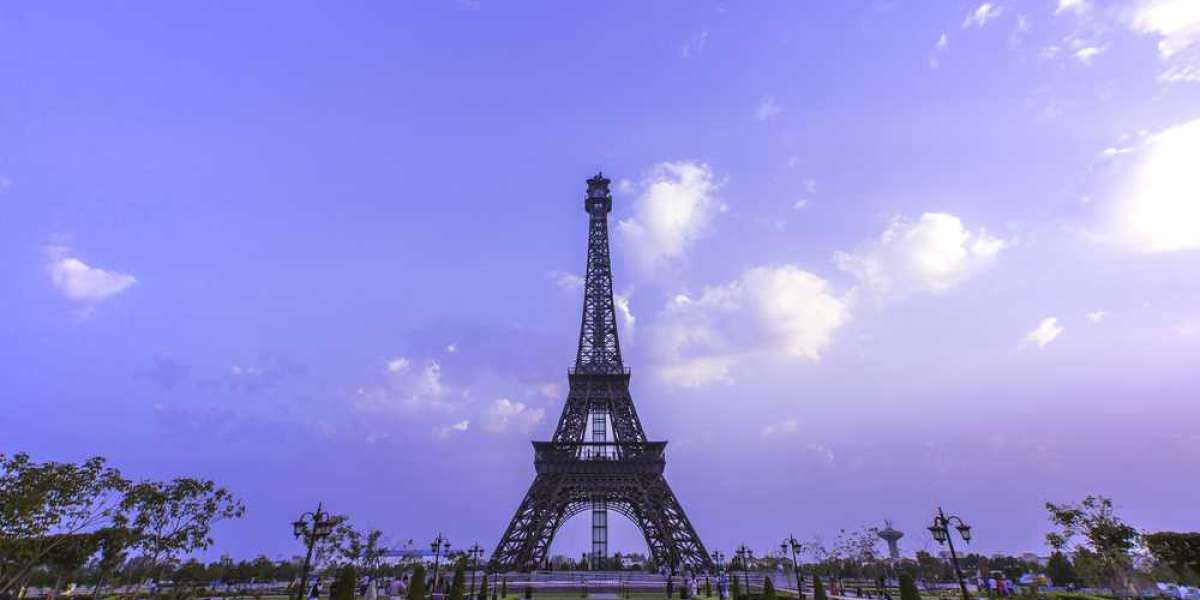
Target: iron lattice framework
{"points": [[625, 474]]}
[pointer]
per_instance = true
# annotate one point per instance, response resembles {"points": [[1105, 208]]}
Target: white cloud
{"points": [[694, 46], [624, 315], [452, 348], [825, 453], [767, 108], [567, 281], [783, 427], [506, 415], [982, 15], [80, 282], [1046, 331], [674, 209], [1180, 74], [1158, 205], [1096, 316], [406, 389], [446, 431], [799, 204], [943, 42], [1076, 6], [1085, 54], [1175, 22], [933, 254], [769, 311]]}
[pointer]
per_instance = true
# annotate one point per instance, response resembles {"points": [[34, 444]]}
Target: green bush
{"points": [[768, 591], [459, 584], [483, 589], [735, 590], [818, 589], [908, 588], [343, 584], [416, 584]]}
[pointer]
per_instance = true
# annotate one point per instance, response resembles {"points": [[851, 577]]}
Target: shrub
{"points": [[735, 590], [483, 588], [818, 589], [768, 591], [416, 584], [908, 588], [459, 584], [343, 584]]}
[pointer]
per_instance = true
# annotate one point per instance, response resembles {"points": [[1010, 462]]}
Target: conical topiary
{"points": [[459, 584], [343, 584], [768, 592], [416, 584], [735, 590], [818, 589], [908, 588]]}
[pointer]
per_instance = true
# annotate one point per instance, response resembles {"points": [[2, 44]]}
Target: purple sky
{"points": [[871, 256]]}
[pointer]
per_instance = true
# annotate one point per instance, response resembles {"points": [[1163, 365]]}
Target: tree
{"points": [[42, 502], [1059, 569], [68, 555], [735, 590], [504, 587], [818, 589], [343, 584], [176, 517], [707, 587], [458, 585], [348, 545], [908, 588], [768, 592], [416, 583], [483, 588], [113, 543], [1181, 551], [1102, 533], [932, 568]]}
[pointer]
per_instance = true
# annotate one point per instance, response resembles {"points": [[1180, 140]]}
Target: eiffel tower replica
{"points": [[576, 471]]}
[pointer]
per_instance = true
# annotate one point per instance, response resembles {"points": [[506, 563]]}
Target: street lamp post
{"points": [[439, 545], [941, 532], [313, 527], [744, 554], [719, 559], [475, 552], [791, 543]]}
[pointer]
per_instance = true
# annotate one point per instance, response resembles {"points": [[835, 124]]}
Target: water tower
{"points": [[892, 537]]}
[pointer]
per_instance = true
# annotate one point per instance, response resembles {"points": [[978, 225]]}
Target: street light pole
{"points": [[719, 558], [745, 554], [313, 527], [794, 545], [439, 544], [941, 532], [475, 551]]}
